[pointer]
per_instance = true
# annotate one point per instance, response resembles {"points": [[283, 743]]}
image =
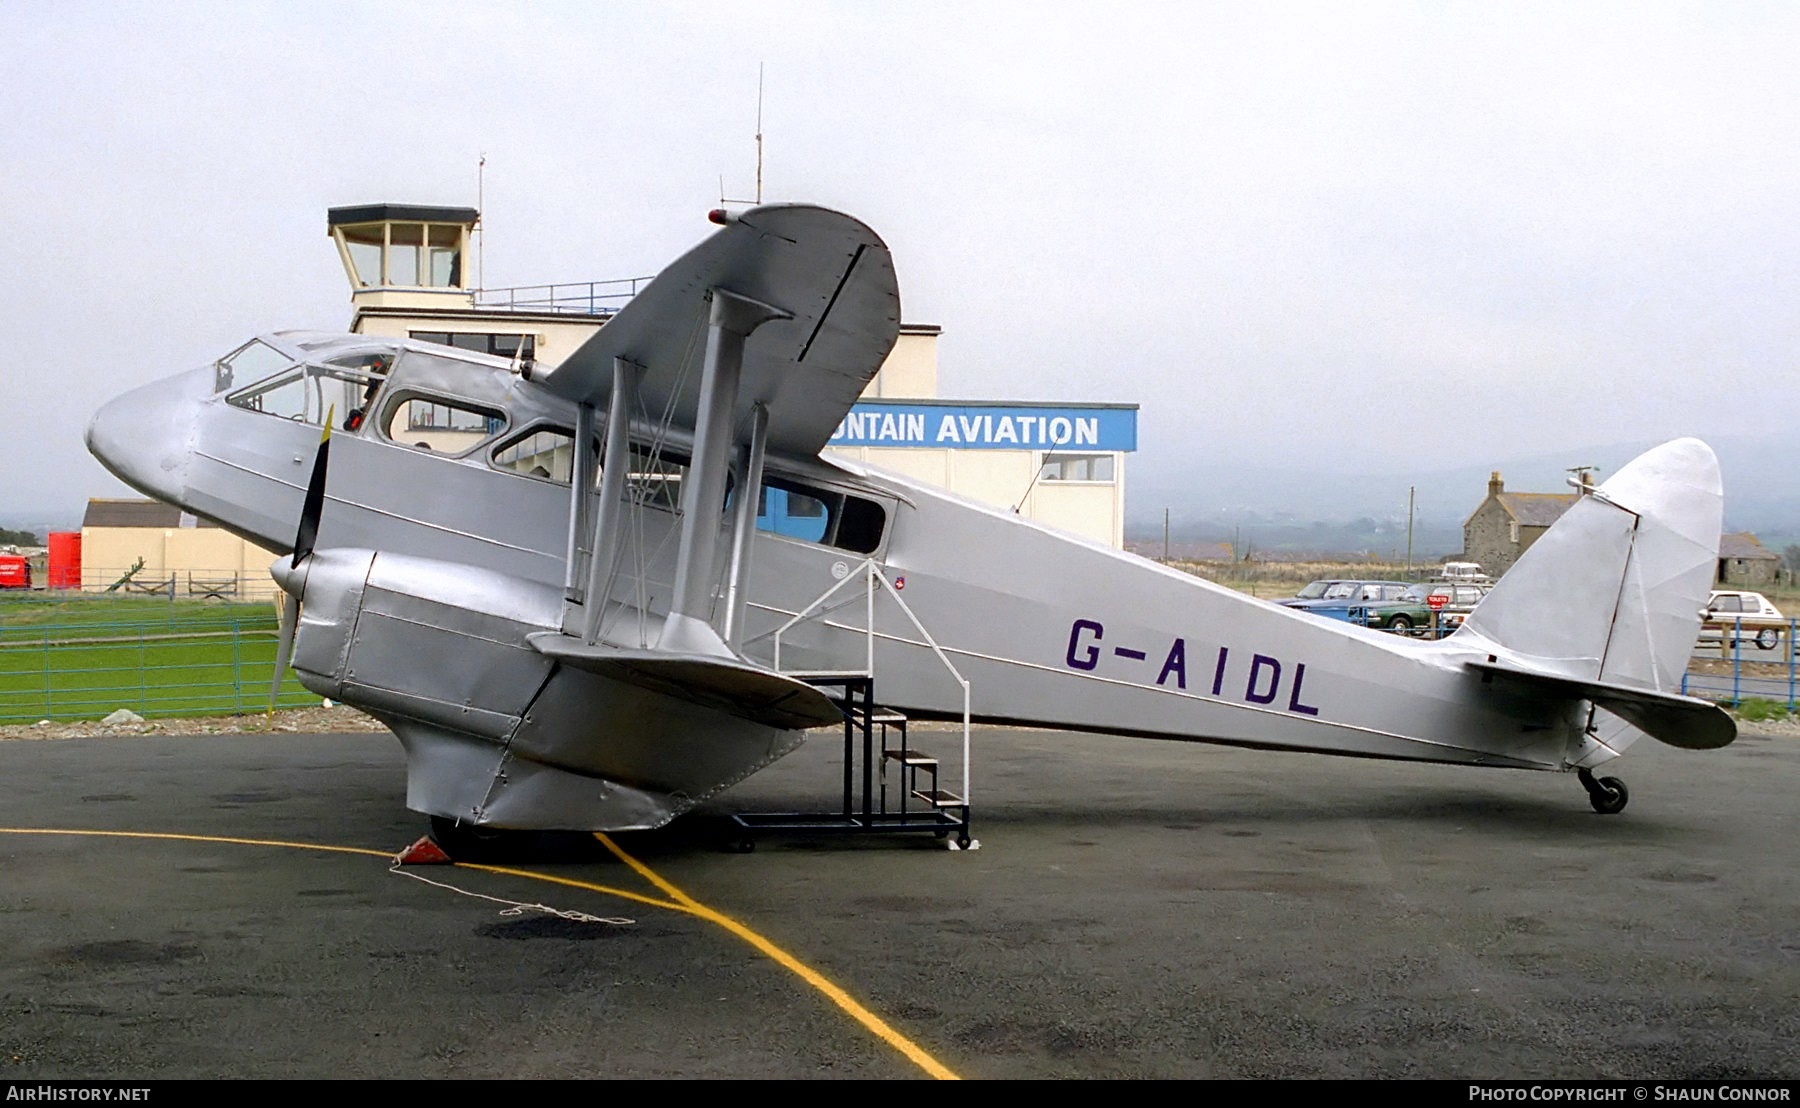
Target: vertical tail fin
{"points": [[1613, 591]]}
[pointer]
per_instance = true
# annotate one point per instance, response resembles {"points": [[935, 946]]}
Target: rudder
{"points": [[1614, 590]]}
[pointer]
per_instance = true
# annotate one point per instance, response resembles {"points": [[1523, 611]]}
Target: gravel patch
{"points": [[337, 719]]}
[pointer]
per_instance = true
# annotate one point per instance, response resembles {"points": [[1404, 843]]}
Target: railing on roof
{"points": [[573, 298]]}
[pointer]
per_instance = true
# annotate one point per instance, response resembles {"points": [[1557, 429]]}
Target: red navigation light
{"points": [[721, 216]]}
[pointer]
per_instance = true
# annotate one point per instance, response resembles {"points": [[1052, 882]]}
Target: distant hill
{"points": [[1294, 507], [41, 523]]}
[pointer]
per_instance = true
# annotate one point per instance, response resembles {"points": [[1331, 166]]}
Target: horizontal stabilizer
{"points": [[734, 687], [1683, 721]]}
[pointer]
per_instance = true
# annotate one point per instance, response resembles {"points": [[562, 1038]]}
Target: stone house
{"points": [[1506, 524], [1745, 562]]}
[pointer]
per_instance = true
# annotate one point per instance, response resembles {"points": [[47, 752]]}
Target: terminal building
{"points": [[1059, 464]]}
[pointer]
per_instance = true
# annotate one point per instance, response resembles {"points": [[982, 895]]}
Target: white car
{"points": [[1749, 613]]}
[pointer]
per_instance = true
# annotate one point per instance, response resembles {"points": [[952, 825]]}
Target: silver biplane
{"points": [[554, 588]]}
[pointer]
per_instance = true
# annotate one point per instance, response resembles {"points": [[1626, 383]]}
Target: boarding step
{"points": [[939, 798], [910, 758]]}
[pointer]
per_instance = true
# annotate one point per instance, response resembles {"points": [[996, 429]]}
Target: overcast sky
{"points": [[1295, 234]]}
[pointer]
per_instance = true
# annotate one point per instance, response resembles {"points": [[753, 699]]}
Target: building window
{"points": [[501, 346], [1096, 468]]}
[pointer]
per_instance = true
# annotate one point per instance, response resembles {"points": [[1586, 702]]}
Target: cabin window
{"points": [[254, 361], [547, 453], [283, 395], [311, 392], [821, 516], [1096, 468], [450, 427]]}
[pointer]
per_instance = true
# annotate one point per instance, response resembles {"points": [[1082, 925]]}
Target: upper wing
{"points": [[829, 271]]}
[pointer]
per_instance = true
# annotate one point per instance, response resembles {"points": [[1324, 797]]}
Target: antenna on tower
{"points": [[480, 218]]}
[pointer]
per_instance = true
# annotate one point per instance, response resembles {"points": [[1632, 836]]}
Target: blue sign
{"points": [[988, 427]]}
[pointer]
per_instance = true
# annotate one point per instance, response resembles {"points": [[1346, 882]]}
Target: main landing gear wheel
{"points": [[465, 841], [1608, 795]]}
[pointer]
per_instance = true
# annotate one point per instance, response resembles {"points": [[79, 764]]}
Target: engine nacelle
{"points": [[440, 642]]}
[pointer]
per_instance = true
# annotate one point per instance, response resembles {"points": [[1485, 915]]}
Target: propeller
{"points": [[305, 537]]}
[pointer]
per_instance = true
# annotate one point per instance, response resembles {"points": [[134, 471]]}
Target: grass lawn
{"points": [[155, 658]]}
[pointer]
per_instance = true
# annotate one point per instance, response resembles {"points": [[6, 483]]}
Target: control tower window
{"points": [[365, 245], [406, 248], [444, 246], [404, 254]]}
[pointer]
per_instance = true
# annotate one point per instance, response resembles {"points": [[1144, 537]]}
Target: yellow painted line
{"points": [[678, 901], [195, 839], [877, 1026], [624, 894]]}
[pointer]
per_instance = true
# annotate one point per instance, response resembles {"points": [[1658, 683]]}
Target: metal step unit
{"points": [[875, 739]]}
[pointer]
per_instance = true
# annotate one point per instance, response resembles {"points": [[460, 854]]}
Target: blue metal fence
{"points": [[1755, 672]]}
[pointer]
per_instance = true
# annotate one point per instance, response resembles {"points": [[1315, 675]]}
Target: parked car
{"points": [[1462, 571], [1410, 612], [1335, 598], [1748, 614]]}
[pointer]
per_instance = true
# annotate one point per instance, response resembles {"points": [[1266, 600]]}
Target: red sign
{"points": [[1436, 601]]}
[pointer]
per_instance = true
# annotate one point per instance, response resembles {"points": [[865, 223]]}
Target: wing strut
{"points": [[732, 319], [609, 529], [581, 510], [750, 473]]}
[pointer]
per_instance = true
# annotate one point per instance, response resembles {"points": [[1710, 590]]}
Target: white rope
{"points": [[518, 907]]}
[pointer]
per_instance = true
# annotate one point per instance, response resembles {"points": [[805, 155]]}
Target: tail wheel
{"points": [[1608, 795]]}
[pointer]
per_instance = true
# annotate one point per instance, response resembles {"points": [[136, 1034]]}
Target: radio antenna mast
{"points": [[759, 148], [723, 199], [480, 219]]}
